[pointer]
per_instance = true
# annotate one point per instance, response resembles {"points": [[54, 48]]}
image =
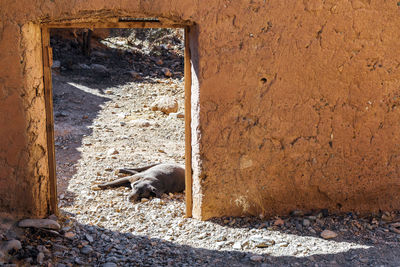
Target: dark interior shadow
{"points": [[126, 249]]}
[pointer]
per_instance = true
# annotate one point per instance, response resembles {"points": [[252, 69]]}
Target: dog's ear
{"points": [[154, 191]]}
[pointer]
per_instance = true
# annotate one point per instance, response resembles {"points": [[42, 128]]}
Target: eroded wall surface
{"points": [[23, 161], [295, 104]]}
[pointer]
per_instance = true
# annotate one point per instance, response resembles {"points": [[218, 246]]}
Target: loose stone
{"points": [[7, 246], [112, 151], [39, 223], [167, 72], [69, 235], [40, 258], [279, 222], [306, 222], [99, 68], [297, 213], [328, 234], [89, 238], [260, 242], [237, 245], [86, 250], [256, 258], [166, 105]]}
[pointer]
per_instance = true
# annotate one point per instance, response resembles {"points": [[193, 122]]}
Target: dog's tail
{"points": [[136, 170]]}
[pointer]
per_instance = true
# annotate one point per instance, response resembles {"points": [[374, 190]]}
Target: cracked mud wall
{"points": [[23, 160], [304, 108], [298, 102]]}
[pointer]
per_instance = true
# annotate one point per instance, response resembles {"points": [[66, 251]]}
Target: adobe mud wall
{"points": [[295, 104]]}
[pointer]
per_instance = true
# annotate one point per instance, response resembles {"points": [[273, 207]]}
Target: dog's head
{"points": [[142, 189]]}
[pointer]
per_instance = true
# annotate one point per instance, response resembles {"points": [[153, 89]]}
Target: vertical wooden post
{"points": [[188, 134], [48, 95]]}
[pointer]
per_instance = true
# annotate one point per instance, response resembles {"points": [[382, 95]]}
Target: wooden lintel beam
{"points": [[104, 25]]}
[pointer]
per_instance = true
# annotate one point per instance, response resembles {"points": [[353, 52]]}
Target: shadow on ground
{"points": [[127, 249], [74, 112], [371, 231]]}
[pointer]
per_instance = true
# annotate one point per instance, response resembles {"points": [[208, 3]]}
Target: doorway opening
{"points": [[115, 98]]}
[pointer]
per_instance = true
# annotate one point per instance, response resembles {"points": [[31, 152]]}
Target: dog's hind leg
{"points": [[125, 181]]}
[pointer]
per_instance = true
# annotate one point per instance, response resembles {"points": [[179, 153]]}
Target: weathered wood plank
{"points": [[48, 94]]}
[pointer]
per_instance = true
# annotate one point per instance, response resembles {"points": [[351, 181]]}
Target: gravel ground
{"points": [[103, 122]]}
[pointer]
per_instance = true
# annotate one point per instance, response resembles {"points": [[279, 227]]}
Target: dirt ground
{"points": [[104, 112], [104, 121]]}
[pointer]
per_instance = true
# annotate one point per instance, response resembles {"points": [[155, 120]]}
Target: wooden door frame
{"points": [[48, 94]]}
